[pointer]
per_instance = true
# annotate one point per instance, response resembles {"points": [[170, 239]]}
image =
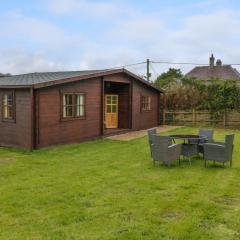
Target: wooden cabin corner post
{"points": [[36, 109], [102, 107], [32, 119], [131, 105]]}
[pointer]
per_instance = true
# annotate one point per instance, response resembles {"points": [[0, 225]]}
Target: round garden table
{"points": [[190, 138], [190, 144]]}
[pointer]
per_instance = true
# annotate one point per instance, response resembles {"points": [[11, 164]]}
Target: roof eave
{"points": [[142, 80], [15, 86], [94, 75]]}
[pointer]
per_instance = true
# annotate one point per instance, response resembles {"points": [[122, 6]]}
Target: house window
{"points": [[8, 106], [73, 105], [145, 103], [80, 105]]}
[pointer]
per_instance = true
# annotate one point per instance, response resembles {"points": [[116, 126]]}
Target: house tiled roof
{"points": [[224, 72], [218, 71], [45, 79]]}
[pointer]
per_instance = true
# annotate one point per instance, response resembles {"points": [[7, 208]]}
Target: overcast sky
{"points": [[53, 35]]}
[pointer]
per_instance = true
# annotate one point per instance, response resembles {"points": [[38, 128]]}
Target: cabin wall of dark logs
{"points": [[17, 132], [53, 130], [38, 112], [144, 119]]}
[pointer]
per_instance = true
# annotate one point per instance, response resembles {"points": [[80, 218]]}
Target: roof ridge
{"points": [[67, 71]]}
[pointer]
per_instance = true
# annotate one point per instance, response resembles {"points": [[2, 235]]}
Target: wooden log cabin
{"points": [[44, 109]]}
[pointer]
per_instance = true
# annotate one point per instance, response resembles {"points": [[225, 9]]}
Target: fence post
{"points": [[224, 118], [194, 117], [164, 117]]}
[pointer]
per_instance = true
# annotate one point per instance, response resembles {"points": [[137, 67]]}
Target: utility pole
{"points": [[148, 70]]}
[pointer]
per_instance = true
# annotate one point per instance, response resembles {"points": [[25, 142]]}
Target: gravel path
{"points": [[137, 134]]}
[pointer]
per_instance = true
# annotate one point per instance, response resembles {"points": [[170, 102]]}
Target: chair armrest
{"points": [[213, 147], [175, 150], [215, 152], [219, 143], [173, 145]]}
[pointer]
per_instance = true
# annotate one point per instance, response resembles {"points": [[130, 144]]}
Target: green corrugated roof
{"points": [[42, 77]]}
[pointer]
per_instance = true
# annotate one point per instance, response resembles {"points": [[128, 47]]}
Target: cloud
{"points": [[192, 40], [32, 44], [203, 33], [219, 26], [138, 29], [209, 4], [17, 61], [129, 36], [37, 31], [104, 9]]}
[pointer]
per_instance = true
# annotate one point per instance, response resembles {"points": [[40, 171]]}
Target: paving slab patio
{"points": [[137, 134]]}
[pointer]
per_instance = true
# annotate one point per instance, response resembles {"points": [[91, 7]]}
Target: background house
{"points": [[42, 109], [214, 71]]}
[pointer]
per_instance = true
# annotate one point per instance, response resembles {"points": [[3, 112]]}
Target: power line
{"points": [[150, 64], [154, 70], [179, 63], [190, 63], [128, 65], [170, 63], [134, 64]]}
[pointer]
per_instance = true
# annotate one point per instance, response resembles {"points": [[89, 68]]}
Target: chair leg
{"points": [[179, 161], [205, 163], [189, 160], [223, 164], [230, 163]]}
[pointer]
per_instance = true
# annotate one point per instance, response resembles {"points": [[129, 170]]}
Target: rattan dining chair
{"points": [[219, 151], [208, 138], [151, 134], [163, 152]]}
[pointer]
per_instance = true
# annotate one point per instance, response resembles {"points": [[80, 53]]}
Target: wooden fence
{"points": [[229, 119]]}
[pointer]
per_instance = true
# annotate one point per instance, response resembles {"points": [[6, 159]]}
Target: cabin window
{"points": [[73, 105], [8, 106], [145, 103]]}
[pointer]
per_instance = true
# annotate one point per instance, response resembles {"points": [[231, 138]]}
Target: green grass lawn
{"points": [[108, 189]]}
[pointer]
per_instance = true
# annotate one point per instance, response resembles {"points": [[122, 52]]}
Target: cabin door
{"points": [[111, 111]]}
